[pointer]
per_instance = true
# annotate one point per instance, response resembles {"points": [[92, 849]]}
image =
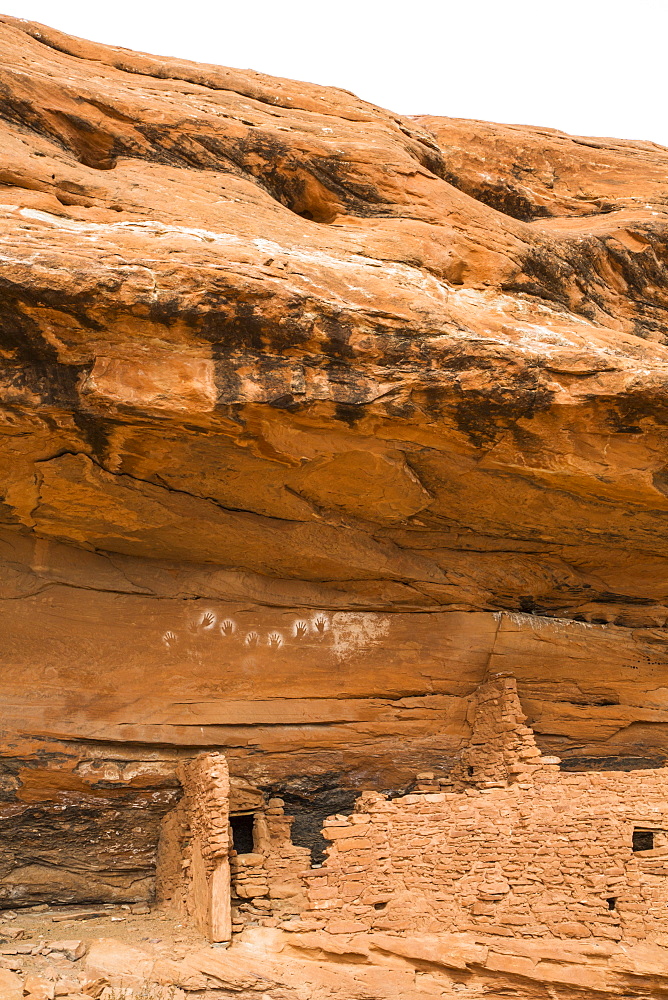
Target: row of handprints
{"points": [[207, 623]]}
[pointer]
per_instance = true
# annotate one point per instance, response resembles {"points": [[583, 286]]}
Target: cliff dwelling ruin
{"points": [[506, 843], [333, 543]]}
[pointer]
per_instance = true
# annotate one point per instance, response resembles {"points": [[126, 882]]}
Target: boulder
{"points": [[11, 985], [72, 950], [40, 988], [118, 963]]}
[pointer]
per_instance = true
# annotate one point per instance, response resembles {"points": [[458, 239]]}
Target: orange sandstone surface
{"points": [[313, 417]]}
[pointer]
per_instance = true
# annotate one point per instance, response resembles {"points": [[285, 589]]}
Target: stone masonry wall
{"points": [[207, 792], [535, 852], [201, 875], [193, 860], [502, 747], [266, 884]]}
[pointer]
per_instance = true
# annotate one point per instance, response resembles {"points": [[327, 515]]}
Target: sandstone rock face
{"points": [[311, 414]]}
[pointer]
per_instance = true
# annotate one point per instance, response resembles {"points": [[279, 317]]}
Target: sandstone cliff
{"points": [[310, 415]]}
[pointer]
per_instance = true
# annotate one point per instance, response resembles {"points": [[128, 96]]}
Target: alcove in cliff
{"points": [[77, 837]]}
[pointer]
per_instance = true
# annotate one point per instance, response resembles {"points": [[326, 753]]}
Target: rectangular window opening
{"points": [[242, 833], [643, 840]]}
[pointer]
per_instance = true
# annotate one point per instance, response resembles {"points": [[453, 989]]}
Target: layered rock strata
{"points": [[311, 415]]}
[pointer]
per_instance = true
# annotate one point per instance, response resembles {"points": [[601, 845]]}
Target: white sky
{"points": [[591, 67]]}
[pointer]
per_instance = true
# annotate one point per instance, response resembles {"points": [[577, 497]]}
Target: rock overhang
{"points": [[273, 354]]}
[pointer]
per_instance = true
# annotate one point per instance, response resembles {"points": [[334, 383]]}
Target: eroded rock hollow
{"points": [[314, 418]]}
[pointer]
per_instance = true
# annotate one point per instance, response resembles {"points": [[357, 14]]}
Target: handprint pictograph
{"points": [[207, 619], [320, 623], [227, 627], [275, 640], [301, 628], [252, 639], [169, 639]]}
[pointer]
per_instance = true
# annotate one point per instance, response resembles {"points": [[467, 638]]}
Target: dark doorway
{"points": [[242, 833], [643, 840]]}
